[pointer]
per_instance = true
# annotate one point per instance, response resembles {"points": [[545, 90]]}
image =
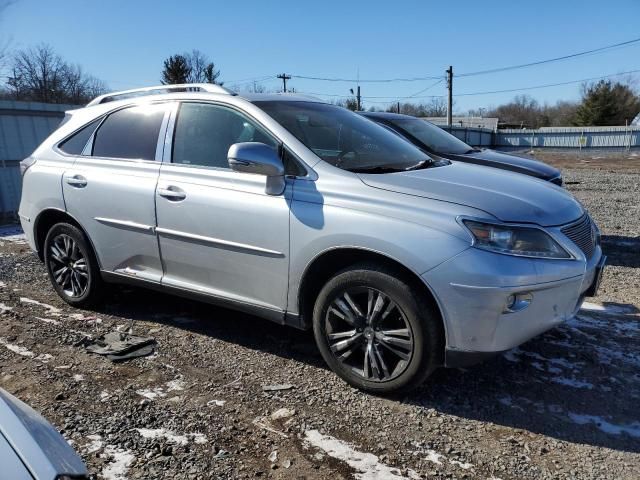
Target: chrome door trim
{"points": [[219, 242], [125, 224]]}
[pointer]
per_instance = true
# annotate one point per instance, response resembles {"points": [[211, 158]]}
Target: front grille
{"points": [[583, 234]]}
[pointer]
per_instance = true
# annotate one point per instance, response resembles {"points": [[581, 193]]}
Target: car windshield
{"points": [[345, 139], [432, 136]]}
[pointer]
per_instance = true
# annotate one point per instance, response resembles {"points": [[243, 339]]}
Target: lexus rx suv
{"points": [[312, 216]]}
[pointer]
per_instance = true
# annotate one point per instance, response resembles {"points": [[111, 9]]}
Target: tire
{"points": [[391, 322], [72, 266]]}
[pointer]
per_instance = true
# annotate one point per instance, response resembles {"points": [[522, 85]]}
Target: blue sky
{"points": [[125, 42]]}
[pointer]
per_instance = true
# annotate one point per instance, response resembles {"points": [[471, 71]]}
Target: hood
{"points": [[506, 161], [508, 196]]}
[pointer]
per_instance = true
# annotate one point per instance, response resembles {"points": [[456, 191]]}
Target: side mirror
{"points": [[260, 159]]}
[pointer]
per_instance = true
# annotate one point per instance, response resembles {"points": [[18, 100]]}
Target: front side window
{"points": [[343, 138], [431, 136], [130, 133], [204, 133], [76, 142]]}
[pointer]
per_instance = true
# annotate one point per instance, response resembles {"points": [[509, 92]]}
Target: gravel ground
{"points": [[564, 405]]}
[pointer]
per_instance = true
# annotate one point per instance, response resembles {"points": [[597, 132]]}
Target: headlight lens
{"points": [[522, 241]]}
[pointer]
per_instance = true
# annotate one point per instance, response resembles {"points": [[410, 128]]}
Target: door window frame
{"points": [[167, 157], [88, 148]]}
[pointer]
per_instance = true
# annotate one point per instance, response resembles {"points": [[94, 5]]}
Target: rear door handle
{"points": [[76, 181], [172, 193]]}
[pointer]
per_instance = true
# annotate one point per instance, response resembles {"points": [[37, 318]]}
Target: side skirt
{"points": [[276, 316]]}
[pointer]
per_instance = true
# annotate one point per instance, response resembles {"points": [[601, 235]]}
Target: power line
{"points": [[480, 72], [550, 60], [376, 80], [548, 84]]}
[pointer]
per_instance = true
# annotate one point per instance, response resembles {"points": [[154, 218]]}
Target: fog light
{"points": [[517, 302]]}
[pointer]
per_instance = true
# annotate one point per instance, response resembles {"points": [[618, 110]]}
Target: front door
{"points": [[219, 232]]}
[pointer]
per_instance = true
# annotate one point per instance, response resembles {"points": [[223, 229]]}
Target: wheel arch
{"points": [[331, 261], [47, 219]]}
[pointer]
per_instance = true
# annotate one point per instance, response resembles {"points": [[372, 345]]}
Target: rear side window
{"points": [[76, 142], [130, 133]]}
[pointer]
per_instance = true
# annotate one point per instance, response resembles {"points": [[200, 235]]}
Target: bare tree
{"points": [[202, 69], [39, 74]]}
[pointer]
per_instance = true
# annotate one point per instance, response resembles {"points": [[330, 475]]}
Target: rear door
{"points": [[110, 189], [219, 232]]}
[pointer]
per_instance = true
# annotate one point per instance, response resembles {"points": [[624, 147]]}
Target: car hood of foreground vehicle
{"points": [[510, 197], [493, 158]]}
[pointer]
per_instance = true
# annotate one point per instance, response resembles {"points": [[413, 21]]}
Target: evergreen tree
{"points": [[176, 70], [607, 103]]}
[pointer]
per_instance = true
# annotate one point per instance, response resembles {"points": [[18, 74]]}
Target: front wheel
{"points": [[376, 331]]}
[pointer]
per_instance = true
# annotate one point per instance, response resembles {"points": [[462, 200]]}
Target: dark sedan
{"points": [[432, 139]]}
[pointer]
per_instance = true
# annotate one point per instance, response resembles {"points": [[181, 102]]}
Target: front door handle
{"points": [[76, 181], [172, 193]]}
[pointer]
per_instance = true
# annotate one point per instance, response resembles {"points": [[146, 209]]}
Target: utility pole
{"points": [[358, 99], [398, 107], [450, 102], [284, 78]]}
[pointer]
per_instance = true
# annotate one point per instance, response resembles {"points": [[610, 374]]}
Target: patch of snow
{"points": [[17, 348], [119, 466], [104, 395], [44, 357], [175, 385], [217, 403], [151, 393], [94, 444], [168, 435], [434, 457], [366, 464], [4, 308], [51, 309], [463, 465], [48, 320], [632, 429], [2, 284], [78, 378], [12, 233]]}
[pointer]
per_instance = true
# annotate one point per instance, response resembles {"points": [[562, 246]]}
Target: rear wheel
{"points": [[375, 330], [71, 264]]}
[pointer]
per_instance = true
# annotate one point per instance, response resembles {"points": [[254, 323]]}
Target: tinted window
{"points": [[76, 143], [130, 133], [343, 138], [204, 133]]}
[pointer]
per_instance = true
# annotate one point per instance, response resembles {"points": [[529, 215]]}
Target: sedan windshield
{"points": [[345, 139], [431, 136]]}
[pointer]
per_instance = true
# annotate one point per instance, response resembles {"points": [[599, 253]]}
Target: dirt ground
{"points": [[564, 405]]}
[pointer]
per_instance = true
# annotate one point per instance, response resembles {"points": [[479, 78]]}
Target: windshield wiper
{"points": [[421, 164], [376, 169]]}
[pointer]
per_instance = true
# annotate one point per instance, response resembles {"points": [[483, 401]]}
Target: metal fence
{"points": [[550, 137], [23, 126]]}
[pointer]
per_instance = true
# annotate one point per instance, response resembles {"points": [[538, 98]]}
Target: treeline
{"points": [[602, 103]]}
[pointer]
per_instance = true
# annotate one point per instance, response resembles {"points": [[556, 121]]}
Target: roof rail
{"points": [[140, 92]]}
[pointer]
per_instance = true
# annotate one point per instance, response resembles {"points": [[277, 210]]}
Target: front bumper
{"points": [[473, 289]]}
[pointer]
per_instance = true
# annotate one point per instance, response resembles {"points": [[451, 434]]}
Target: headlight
{"points": [[521, 241]]}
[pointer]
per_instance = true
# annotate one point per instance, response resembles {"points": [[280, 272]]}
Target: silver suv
{"points": [[309, 215]]}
